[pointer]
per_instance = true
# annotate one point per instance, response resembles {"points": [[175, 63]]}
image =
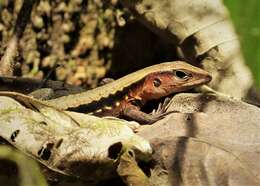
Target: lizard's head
{"points": [[175, 77]]}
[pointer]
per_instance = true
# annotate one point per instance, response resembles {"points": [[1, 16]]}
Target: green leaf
{"points": [[30, 174], [245, 15]]}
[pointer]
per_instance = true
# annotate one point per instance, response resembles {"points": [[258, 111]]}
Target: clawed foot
{"points": [[133, 113], [161, 111], [162, 107], [157, 117]]}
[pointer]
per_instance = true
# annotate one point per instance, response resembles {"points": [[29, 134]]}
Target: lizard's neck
{"points": [[136, 92]]}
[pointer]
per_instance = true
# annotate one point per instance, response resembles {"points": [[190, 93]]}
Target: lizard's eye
{"points": [[181, 75], [157, 82]]}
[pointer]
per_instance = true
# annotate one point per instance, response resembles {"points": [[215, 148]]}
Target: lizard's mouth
{"points": [[188, 85], [198, 82]]}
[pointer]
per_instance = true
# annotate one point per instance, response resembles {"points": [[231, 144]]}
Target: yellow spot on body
{"points": [[107, 108], [117, 103], [126, 97], [99, 110]]}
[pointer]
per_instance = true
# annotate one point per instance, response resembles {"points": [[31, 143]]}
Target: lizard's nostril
{"points": [[208, 78]]}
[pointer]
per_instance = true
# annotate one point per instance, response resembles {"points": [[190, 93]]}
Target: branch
{"points": [[7, 62]]}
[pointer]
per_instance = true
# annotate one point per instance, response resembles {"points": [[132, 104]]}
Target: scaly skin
{"points": [[125, 96]]}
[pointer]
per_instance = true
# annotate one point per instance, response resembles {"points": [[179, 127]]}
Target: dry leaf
{"points": [[213, 141], [70, 143]]}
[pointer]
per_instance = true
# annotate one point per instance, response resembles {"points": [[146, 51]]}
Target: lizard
{"points": [[125, 97]]}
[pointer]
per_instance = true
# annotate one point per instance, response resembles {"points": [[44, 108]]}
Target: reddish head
{"points": [[179, 77]]}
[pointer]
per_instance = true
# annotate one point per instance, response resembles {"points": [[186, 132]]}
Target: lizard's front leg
{"points": [[133, 113]]}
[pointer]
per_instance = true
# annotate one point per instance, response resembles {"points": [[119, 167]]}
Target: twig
{"points": [[44, 81], [7, 61]]}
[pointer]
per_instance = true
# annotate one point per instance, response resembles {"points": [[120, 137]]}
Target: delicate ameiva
{"points": [[125, 96]]}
